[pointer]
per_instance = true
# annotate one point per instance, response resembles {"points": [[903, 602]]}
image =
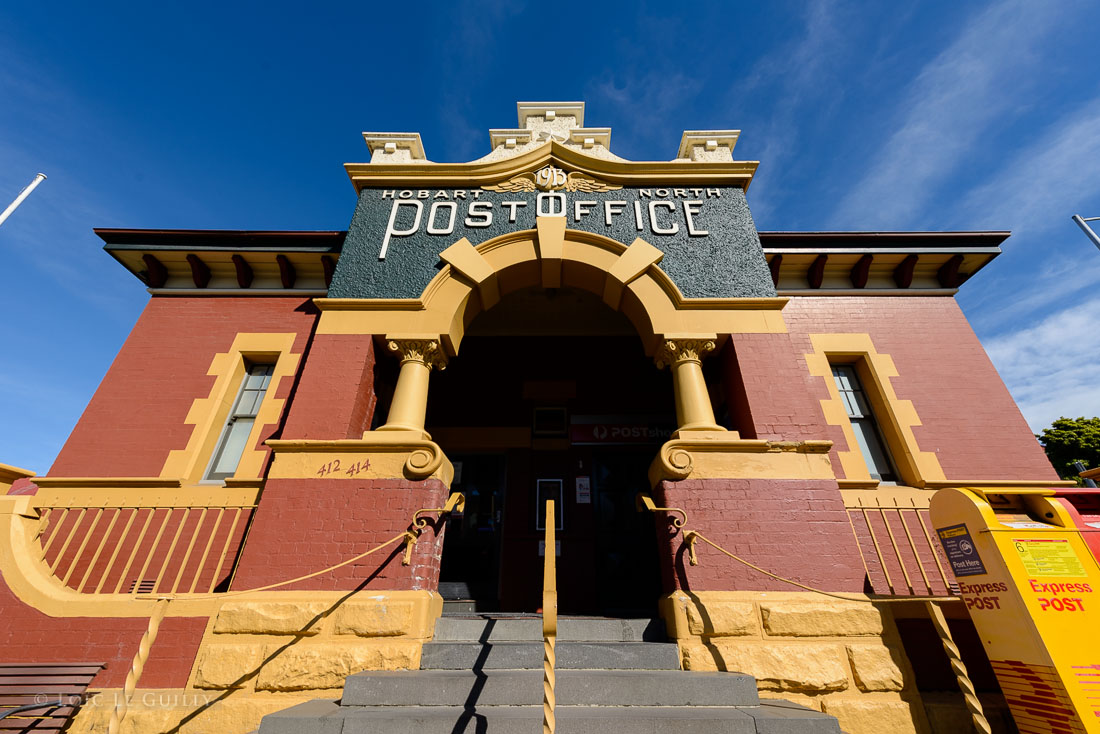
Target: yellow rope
{"points": [[408, 535], [690, 536], [137, 667], [121, 708]]}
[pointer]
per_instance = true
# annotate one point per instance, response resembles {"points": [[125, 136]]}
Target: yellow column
{"points": [[410, 396], [684, 356]]}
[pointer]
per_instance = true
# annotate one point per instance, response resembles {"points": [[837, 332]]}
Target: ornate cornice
{"points": [[382, 454], [625, 173], [716, 455]]}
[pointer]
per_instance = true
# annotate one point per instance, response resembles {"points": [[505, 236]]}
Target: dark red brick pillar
{"points": [[774, 389], [335, 395], [305, 525], [797, 529]]}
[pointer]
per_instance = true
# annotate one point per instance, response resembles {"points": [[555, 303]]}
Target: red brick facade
{"points": [[27, 635], [137, 415], [303, 525], [968, 417], [796, 529]]}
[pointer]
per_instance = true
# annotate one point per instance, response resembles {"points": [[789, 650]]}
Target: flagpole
{"points": [[39, 178]]}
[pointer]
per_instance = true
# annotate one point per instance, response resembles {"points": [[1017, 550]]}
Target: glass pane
{"points": [[256, 378], [871, 447], [860, 409], [233, 445], [843, 376], [851, 392], [250, 402]]}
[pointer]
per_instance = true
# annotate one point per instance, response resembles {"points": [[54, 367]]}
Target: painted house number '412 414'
{"points": [[334, 466]]}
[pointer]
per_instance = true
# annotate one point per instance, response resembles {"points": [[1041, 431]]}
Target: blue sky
{"points": [[873, 116]]}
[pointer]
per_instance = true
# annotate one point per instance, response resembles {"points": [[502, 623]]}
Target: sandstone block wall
{"points": [[843, 658], [263, 655]]}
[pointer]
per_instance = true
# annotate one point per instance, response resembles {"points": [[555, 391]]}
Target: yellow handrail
{"points": [[549, 620], [122, 705]]}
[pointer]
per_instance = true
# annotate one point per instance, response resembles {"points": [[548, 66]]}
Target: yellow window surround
{"points": [[209, 414], [896, 418]]}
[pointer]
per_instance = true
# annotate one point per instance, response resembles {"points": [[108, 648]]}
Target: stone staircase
{"points": [[483, 674]]}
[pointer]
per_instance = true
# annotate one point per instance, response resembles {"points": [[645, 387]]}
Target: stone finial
{"points": [[707, 145], [395, 147], [550, 119], [590, 137], [509, 138]]}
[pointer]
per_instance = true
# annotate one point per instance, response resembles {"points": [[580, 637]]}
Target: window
{"points": [[864, 427], [238, 427]]}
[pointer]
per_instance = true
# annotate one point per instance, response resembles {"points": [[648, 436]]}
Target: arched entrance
{"points": [[552, 396], [656, 325]]}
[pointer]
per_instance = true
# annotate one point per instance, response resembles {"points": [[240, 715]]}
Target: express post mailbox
{"points": [[1032, 587]]}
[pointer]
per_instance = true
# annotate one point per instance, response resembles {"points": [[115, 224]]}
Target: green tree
{"points": [[1069, 440]]}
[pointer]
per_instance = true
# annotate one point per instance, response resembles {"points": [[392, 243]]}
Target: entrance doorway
{"points": [[576, 417]]}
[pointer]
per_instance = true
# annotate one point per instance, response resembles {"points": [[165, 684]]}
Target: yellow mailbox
{"points": [[1032, 588]]}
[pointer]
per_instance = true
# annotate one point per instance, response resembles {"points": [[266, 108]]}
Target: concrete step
{"points": [[570, 655], [326, 717], [489, 628], [459, 606], [524, 687]]}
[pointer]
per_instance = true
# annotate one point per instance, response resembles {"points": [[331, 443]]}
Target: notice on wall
{"points": [[960, 550], [1049, 557], [584, 490]]}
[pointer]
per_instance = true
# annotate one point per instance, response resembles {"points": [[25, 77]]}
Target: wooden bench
{"points": [[42, 696]]}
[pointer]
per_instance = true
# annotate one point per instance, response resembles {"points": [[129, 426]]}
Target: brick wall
{"points": [[304, 525], [797, 529], [968, 416], [774, 391], [137, 415], [335, 396], [28, 636]]}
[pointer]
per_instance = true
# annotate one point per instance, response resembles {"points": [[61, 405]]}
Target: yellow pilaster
{"points": [[410, 396], [684, 356]]}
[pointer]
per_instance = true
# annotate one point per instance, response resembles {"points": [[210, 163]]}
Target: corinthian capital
{"points": [[674, 351], [425, 351]]}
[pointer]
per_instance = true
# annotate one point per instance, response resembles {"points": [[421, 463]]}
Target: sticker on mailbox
{"points": [[1049, 557], [960, 550]]}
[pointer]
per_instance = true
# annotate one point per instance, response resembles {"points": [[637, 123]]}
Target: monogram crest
{"points": [[550, 178]]}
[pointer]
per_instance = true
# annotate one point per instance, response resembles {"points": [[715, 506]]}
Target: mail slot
{"points": [[1031, 585]]}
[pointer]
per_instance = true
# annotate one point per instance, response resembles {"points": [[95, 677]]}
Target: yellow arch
{"points": [[627, 278]]}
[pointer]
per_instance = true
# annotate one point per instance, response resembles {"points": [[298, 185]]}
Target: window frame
{"points": [[870, 418], [209, 475], [897, 417]]}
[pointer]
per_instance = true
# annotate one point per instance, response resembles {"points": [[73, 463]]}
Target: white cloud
{"points": [[1050, 367], [1045, 182], [958, 96]]}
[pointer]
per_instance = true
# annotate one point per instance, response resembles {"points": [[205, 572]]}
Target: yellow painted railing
{"points": [[899, 552], [142, 540], [549, 620]]}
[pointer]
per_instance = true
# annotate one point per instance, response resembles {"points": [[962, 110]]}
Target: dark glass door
{"points": [[470, 567]]}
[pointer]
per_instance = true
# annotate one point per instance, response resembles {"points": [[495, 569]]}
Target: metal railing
{"points": [[549, 620]]}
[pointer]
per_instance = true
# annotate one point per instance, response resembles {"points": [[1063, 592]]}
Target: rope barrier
{"points": [[690, 536]]}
